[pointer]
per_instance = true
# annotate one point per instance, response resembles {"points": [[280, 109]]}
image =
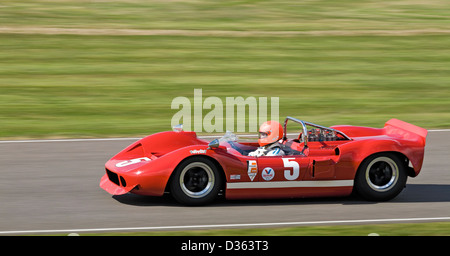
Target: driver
{"points": [[270, 133]]}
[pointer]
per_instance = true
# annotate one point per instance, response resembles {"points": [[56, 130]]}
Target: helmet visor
{"points": [[263, 135]]}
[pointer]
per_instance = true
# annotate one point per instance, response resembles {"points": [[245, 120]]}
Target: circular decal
{"points": [[268, 173]]}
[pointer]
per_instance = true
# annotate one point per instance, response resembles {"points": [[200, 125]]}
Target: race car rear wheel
{"points": [[380, 177], [196, 181]]}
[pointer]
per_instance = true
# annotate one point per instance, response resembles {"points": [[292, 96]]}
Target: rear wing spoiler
{"points": [[406, 130]]}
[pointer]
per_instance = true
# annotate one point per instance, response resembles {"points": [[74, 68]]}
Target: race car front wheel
{"points": [[196, 181], [380, 177]]}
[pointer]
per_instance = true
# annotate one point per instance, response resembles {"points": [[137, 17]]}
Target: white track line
{"points": [[219, 226], [112, 139], [439, 130], [132, 138]]}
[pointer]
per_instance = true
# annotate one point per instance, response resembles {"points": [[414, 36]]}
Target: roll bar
{"points": [[305, 131]]}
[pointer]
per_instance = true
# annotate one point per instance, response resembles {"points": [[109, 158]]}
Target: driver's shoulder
{"points": [[275, 145]]}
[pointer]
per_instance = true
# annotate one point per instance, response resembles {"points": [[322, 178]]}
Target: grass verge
{"points": [[104, 86], [404, 229], [56, 86]]}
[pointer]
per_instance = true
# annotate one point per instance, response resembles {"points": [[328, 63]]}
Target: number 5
{"points": [[290, 162]]}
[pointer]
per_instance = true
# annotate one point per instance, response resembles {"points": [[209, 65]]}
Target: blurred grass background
{"points": [[107, 85]]}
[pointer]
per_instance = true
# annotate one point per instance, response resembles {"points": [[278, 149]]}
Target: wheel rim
{"points": [[382, 174], [197, 180]]}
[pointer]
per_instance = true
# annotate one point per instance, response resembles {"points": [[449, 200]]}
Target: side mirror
{"points": [[177, 128], [213, 144]]}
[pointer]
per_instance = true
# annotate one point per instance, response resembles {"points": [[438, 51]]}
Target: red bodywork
{"points": [[327, 168]]}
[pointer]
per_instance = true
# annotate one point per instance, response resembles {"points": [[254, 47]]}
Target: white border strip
{"points": [[300, 223], [291, 184]]}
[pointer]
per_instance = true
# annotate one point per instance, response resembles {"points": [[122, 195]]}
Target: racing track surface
{"points": [[53, 186]]}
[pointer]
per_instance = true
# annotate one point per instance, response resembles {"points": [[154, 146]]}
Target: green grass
{"points": [[409, 229], [104, 86], [271, 15]]}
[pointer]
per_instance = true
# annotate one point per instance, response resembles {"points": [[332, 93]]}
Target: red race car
{"points": [[320, 161]]}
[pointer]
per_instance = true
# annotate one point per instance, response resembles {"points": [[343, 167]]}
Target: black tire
{"points": [[196, 181], [380, 177]]}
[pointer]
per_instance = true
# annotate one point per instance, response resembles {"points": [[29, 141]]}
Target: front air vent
{"points": [[122, 180], [113, 177]]}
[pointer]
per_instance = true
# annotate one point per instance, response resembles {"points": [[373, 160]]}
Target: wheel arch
{"points": [[404, 159], [213, 160]]}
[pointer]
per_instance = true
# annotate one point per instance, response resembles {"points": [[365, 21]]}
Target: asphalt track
{"points": [[53, 187]]}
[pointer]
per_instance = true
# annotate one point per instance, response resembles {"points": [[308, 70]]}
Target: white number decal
{"points": [[290, 162], [132, 161]]}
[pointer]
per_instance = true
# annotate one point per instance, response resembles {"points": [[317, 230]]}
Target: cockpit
{"points": [[297, 143]]}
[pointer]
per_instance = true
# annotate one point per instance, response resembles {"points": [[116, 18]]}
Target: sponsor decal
{"points": [[235, 177], [268, 173], [252, 169], [198, 151]]}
